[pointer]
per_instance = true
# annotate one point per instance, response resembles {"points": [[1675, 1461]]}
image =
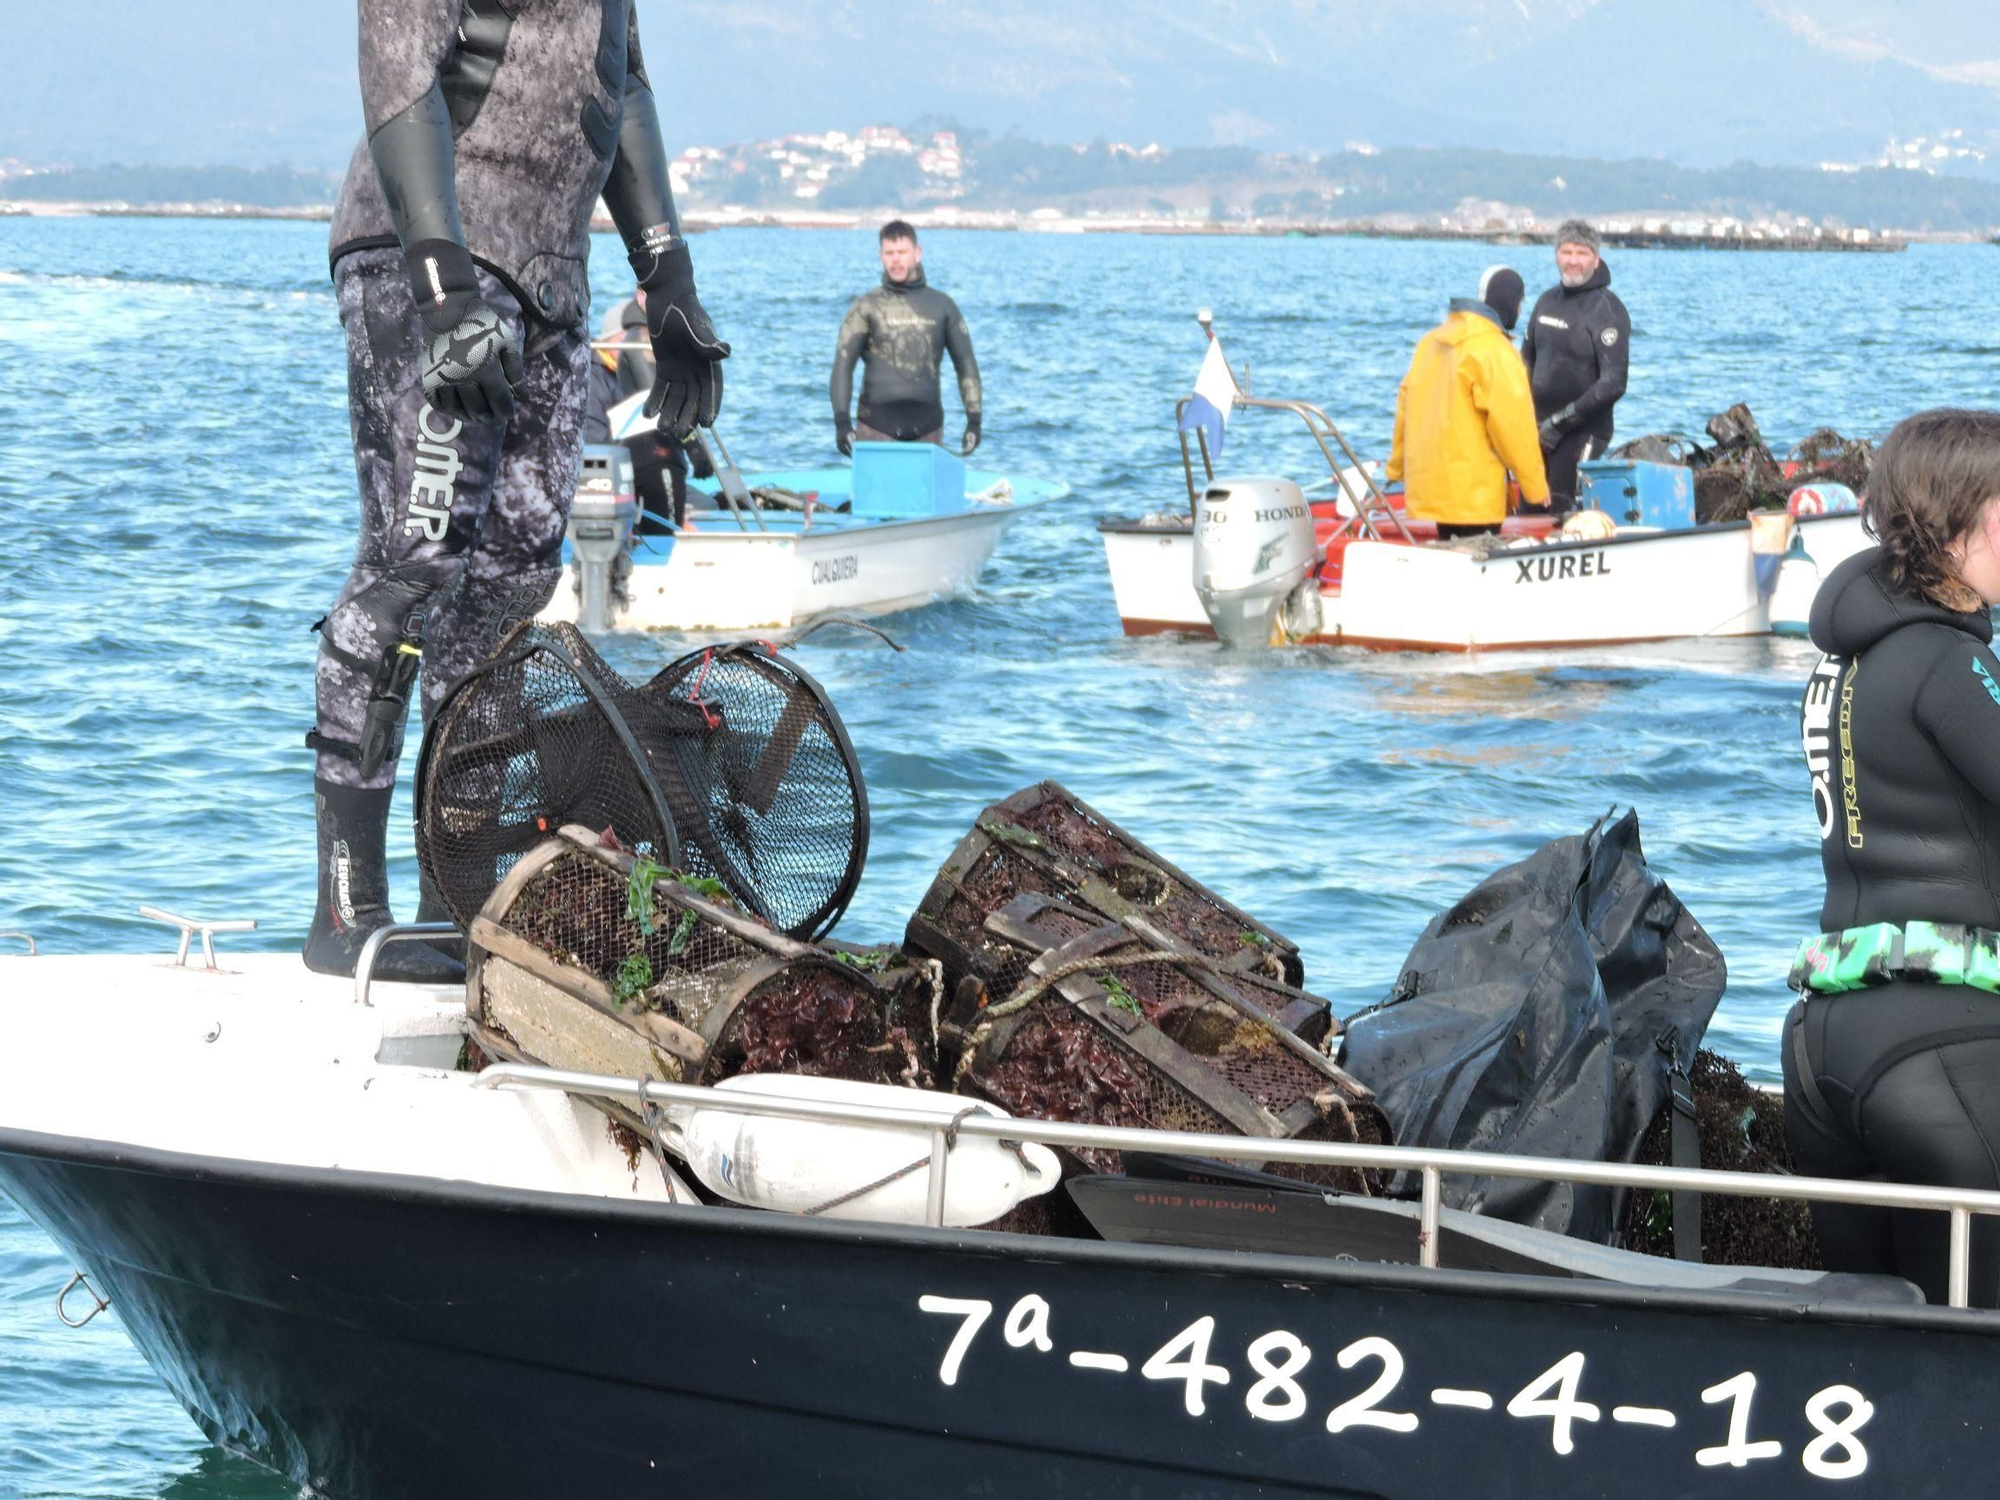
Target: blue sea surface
{"points": [[174, 453]]}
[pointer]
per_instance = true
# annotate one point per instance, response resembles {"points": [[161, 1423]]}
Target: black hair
{"points": [[897, 229]]}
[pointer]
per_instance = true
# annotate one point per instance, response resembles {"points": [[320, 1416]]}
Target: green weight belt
{"points": [[1859, 958]]}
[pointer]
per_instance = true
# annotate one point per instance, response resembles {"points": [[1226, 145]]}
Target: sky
{"points": [[256, 82]]}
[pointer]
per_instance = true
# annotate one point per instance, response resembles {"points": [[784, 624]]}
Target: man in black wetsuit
{"points": [[1576, 348], [902, 329], [1892, 1061], [459, 249]]}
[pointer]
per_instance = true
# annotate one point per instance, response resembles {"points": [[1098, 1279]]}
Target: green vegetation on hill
{"points": [[1410, 181], [1009, 174]]}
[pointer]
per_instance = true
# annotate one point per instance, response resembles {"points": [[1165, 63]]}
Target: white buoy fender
{"points": [[1792, 596], [769, 1161]]}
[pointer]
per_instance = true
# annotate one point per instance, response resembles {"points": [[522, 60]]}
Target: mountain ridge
{"points": [[1698, 82]]}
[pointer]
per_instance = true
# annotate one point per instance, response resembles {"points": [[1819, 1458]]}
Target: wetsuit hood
{"points": [[1855, 608], [1478, 309], [916, 283], [1597, 281]]}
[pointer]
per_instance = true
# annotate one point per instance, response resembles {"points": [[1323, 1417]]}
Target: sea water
{"points": [[176, 479]]}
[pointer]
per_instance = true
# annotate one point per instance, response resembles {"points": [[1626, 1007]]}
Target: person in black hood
{"points": [[1892, 1059], [459, 251], [622, 366], [1577, 347], [902, 329]]}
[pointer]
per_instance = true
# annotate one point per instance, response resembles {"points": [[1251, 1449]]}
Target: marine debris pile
{"points": [[1736, 472], [646, 876], [1741, 1128]]}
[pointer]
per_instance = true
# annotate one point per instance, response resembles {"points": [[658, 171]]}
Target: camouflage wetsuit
{"points": [[903, 330], [460, 249], [1900, 1078]]}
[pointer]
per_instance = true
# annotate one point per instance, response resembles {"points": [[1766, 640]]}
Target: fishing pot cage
{"points": [[1044, 841], [1119, 1023], [729, 765], [592, 958]]}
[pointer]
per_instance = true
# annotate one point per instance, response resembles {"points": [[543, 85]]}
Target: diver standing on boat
{"points": [[1577, 349], [1464, 416], [1892, 1059], [459, 250], [902, 330]]}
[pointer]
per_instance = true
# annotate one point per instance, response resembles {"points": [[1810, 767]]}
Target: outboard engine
{"points": [[1256, 561], [601, 518]]}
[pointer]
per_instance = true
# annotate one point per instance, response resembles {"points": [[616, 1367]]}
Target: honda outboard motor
{"points": [[1256, 561], [601, 518]]}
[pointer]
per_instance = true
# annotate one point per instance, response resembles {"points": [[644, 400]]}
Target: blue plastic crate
{"points": [[907, 479], [1633, 493]]}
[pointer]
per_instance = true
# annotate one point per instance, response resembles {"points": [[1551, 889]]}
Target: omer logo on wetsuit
{"points": [[1901, 729]]}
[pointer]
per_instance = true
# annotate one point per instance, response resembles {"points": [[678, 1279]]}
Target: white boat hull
{"points": [[776, 569], [1633, 588], [269, 1063], [720, 578]]}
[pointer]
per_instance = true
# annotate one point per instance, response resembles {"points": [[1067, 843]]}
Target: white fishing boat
{"points": [[906, 525], [1258, 558], [355, 1265]]}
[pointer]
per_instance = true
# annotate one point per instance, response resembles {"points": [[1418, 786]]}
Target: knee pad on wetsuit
{"points": [[479, 617], [391, 615]]}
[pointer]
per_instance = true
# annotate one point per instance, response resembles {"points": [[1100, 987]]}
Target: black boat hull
{"points": [[380, 1338]]}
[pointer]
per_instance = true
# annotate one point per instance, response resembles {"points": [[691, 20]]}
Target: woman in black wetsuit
{"points": [[1892, 1059]]}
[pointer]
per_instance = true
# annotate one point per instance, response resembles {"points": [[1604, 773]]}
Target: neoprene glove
{"points": [[687, 385], [1550, 435], [971, 436], [472, 360], [843, 434]]}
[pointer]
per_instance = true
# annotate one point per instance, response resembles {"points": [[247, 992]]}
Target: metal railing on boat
{"points": [[1370, 506], [1431, 1165]]}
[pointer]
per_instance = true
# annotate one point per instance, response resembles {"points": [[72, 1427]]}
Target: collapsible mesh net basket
{"points": [[589, 958], [1110, 1028], [730, 765], [767, 790], [527, 742], [1045, 841]]}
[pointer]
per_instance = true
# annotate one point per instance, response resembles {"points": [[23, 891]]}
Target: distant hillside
{"points": [[978, 174], [973, 172]]}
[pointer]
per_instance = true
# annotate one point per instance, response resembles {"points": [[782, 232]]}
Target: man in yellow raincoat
{"points": [[1465, 416]]}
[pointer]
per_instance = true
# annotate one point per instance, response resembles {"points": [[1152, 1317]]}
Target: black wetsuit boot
{"points": [[354, 891]]}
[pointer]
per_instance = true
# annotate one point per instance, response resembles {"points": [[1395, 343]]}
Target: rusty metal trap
{"points": [[1043, 841], [590, 958], [729, 765], [1115, 1027], [1011, 939]]}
